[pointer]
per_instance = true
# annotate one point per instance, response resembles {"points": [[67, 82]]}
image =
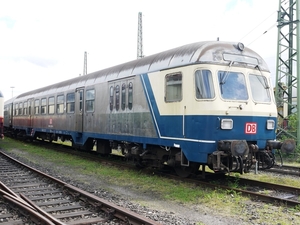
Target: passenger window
{"points": [[29, 107], [5, 110], [123, 97], [80, 100], [43, 106], [111, 98], [204, 84], [25, 108], [130, 96], [117, 97], [173, 91], [90, 100], [20, 108], [36, 106], [16, 109], [51, 105], [60, 100], [70, 102]]}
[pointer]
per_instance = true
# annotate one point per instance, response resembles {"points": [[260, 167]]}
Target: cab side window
{"points": [[204, 85]]}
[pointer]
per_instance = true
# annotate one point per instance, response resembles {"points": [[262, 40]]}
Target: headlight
{"points": [[226, 124], [270, 124]]}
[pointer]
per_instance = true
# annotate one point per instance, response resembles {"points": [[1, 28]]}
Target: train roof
{"points": [[197, 53], [9, 101]]}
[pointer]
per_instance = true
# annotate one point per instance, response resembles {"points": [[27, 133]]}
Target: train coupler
{"points": [[216, 161], [287, 146]]}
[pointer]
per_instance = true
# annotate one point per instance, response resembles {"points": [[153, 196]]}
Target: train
{"points": [[1, 115], [205, 104]]}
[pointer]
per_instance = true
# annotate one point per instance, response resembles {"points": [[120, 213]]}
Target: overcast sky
{"points": [[43, 42]]}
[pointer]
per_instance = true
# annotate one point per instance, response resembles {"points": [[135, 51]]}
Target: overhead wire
{"points": [[262, 34], [284, 2], [257, 27]]}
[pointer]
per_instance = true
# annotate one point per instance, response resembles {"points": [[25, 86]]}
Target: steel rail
{"points": [[25, 210], [246, 193], [42, 212], [255, 195], [111, 208], [288, 170]]}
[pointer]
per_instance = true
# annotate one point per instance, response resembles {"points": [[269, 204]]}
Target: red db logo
{"points": [[250, 128]]}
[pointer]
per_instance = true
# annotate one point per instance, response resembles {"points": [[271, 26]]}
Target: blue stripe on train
{"points": [[205, 128]]}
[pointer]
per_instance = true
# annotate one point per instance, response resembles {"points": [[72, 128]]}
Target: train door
{"points": [[121, 117], [30, 112], [130, 126], [79, 109], [114, 106]]}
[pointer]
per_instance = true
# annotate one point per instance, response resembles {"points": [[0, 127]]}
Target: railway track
{"points": [[256, 190], [264, 191], [287, 170], [43, 199], [261, 191]]}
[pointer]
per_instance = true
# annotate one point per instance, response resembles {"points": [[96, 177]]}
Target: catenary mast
{"points": [[85, 64], [140, 37], [288, 71]]}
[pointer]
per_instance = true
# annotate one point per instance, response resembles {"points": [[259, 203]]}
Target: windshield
{"points": [[259, 88], [232, 85], [204, 84]]}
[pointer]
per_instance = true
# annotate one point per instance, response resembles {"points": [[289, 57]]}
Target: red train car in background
{"points": [[1, 114]]}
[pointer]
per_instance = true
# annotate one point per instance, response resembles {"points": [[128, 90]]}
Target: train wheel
{"points": [[280, 158], [139, 164], [248, 165], [267, 160], [186, 171]]}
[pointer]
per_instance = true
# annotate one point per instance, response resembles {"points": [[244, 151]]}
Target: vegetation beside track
{"points": [[201, 198]]}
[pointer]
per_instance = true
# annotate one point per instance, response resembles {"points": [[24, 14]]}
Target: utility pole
{"points": [[287, 91], [140, 37], [12, 91], [85, 64]]}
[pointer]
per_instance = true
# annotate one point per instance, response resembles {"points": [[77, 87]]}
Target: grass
{"points": [[289, 181], [226, 203]]}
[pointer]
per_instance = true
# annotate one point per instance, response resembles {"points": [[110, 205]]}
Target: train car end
{"points": [[1, 115]]}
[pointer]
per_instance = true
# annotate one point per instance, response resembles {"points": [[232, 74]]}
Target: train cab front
{"points": [[241, 155]]}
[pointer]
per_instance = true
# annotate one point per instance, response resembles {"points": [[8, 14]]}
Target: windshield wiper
{"points": [[224, 78], [262, 81]]}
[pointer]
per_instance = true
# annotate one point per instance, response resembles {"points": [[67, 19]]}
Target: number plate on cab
{"points": [[250, 128]]}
